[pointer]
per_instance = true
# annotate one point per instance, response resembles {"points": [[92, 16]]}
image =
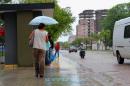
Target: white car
{"points": [[121, 40], [72, 49]]}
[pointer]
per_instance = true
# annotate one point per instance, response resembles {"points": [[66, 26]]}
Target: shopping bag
{"points": [[31, 41]]}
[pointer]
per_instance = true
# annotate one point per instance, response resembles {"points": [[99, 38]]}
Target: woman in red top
{"points": [[57, 48]]}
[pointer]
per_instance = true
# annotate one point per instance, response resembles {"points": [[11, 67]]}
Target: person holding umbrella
{"points": [[40, 39]]}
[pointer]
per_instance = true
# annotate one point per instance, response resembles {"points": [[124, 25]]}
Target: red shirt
{"points": [[57, 47], [2, 31]]}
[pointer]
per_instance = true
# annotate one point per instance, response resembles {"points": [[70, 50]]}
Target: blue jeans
{"points": [[57, 52]]}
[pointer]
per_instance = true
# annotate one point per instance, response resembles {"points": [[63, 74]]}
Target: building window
{"points": [[127, 32]]}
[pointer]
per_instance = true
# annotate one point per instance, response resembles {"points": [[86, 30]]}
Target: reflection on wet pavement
{"points": [[64, 72], [20, 77], [68, 73]]}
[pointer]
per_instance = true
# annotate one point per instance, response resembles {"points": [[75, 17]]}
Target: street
{"points": [[99, 68], [64, 42], [102, 66]]}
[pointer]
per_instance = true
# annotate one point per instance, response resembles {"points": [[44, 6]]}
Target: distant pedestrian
{"points": [[57, 48], [40, 39], [82, 51]]}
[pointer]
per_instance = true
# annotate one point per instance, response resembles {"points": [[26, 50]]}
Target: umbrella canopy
{"points": [[43, 19]]}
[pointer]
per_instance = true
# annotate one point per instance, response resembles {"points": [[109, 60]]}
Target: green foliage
{"points": [[2, 39], [116, 13], [78, 41], [62, 15], [105, 37], [64, 45], [94, 37], [37, 1], [65, 19], [4, 1]]}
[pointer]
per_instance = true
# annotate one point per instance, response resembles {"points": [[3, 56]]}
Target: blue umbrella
{"points": [[43, 19]]}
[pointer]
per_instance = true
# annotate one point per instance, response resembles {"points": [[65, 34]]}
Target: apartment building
{"points": [[100, 14], [86, 25], [89, 22]]}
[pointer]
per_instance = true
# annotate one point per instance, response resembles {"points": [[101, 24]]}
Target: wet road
{"points": [[68, 73], [61, 73], [97, 69], [103, 67]]}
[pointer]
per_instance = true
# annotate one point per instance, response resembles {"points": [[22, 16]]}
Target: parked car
{"points": [[72, 49], [121, 40]]}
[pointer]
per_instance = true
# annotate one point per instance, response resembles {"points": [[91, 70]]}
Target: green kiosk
{"points": [[17, 30]]}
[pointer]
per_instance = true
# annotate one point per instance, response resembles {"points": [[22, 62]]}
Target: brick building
{"points": [[89, 22], [86, 24], [100, 14]]}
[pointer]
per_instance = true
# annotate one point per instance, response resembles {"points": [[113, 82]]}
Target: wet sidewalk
{"points": [[61, 73]]}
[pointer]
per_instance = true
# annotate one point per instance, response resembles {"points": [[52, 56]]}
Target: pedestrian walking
{"points": [[57, 48], [40, 39], [82, 51], [47, 59], [50, 47], [51, 41]]}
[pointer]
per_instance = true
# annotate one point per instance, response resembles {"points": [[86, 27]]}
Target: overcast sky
{"points": [[77, 6]]}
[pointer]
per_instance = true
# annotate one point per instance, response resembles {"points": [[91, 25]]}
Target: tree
{"points": [[105, 38], [36, 1], [114, 14], [77, 41], [62, 15], [87, 40], [94, 37], [4, 1], [65, 19], [64, 45]]}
